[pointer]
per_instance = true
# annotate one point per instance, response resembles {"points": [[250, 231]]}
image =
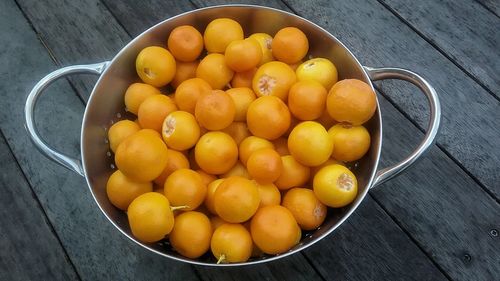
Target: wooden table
{"points": [[439, 220]]}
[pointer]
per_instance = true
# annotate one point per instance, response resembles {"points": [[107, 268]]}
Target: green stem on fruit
{"points": [[179, 208], [222, 258]]}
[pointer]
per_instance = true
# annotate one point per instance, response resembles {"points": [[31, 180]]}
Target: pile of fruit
{"points": [[239, 145]]}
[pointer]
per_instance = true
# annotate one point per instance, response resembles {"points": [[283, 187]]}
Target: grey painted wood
{"points": [[439, 205], [469, 127], [26, 237], [97, 249], [78, 32], [141, 15], [376, 248], [464, 30], [491, 5]]}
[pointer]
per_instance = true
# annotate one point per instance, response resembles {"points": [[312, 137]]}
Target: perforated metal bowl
{"points": [[106, 106]]}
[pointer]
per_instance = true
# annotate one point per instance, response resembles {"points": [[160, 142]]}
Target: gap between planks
{"points": [[439, 49], [49, 51], [489, 9], [462, 167], [39, 204]]}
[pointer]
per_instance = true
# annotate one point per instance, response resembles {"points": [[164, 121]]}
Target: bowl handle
{"points": [[73, 164], [435, 116]]}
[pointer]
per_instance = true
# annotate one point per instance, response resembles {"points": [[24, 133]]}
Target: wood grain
{"points": [[469, 114], [97, 249], [439, 205], [463, 30], [26, 236], [78, 33]]}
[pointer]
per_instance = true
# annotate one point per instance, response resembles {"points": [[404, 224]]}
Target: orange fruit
{"points": [[209, 198], [153, 111], [243, 55], [185, 71], [231, 243], [242, 98], [335, 186], [250, 145], [214, 70], [350, 142], [215, 111], [150, 217], [122, 191], [155, 66], [237, 170], [206, 178], [136, 93], [310, 144], [264, 165], [216, 153], [293, 173], [216, 221], [243, 79], [188, 93], [236, 199], [175, 161], [220, 32], [185, 42], [269, 194], [238, 131], [191, 234], [268, 117], [307, 100], [315, 169], [142, 156], [273, 79], [290, 45], [352, 101], [265, 42], [307, 210], [281, 146], [320, 70], [184, 187], [180, 130], [120, 131], [274, 229]]}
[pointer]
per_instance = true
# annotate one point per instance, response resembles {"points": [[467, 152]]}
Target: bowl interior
{"points": [[106, 106]]}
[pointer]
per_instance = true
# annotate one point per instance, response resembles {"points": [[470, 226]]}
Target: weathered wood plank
{"points": [[440, 206], [97, 249], [26, 237], [491, 5], [469, 128], [375, 247], [95, 37], [464, 30], [142, 15]]}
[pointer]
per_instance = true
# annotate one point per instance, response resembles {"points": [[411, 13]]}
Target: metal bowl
{"points": [[105, 106]]}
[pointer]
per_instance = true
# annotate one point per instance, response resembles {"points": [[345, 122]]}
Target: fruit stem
{"points": [[178, 208], [222, 258]]}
